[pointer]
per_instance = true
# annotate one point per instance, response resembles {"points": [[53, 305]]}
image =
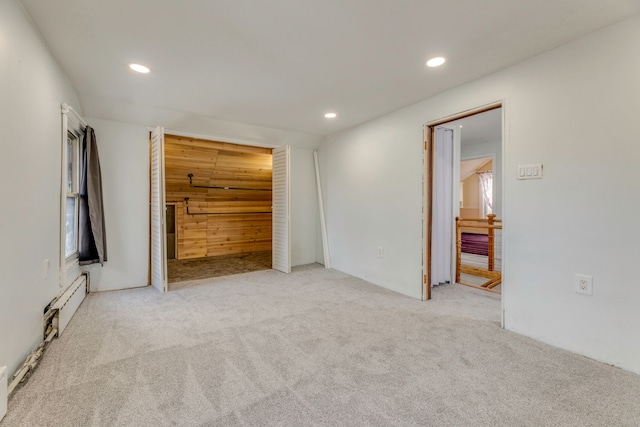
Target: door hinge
{"points": [[425, 145], [424, 279]]}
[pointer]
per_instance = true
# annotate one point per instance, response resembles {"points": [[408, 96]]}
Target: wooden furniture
{"points": [[495, 277]]}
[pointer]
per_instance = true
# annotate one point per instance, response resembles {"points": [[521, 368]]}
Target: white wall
{"points": [[124, 162], [372, 186], [559, 110], [31, 90], [474, 151]]}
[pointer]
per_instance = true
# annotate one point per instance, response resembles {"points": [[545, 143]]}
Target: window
{"points": [[72, 172], [485, 183], [71, 139]]}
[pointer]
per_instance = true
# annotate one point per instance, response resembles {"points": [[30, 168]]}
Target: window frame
{"points": [[72, 129], [483, 207], [73, 138]]}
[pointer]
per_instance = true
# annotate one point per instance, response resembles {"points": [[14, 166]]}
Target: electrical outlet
{"points": [[380, 252], [584, 284]]}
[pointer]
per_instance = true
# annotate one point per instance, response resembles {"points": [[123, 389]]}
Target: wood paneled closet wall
{"points": [[236, 222]]}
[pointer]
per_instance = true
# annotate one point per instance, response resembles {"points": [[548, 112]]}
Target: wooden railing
{"points": [[490, 224]]}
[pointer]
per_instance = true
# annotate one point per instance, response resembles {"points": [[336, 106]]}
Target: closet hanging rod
{"points": [[223, 188], [186, 200]]}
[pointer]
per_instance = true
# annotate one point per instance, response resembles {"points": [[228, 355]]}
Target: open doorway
{"points": [[463, 238], [478, 226], [220, 195]]}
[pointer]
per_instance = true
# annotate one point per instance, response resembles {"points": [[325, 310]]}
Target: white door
{"points": [[281, 239], [442, 209], [158, 212], [455, 196]]}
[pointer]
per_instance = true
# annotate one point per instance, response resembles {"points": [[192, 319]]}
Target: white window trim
{"points": [[73, 124], [75, 189]]}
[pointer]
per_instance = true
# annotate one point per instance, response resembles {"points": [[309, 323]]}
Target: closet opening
{"points": [[219, 195]]}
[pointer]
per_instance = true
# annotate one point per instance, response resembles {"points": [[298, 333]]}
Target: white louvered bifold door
{"points": [[281, 238], [158, 212]]}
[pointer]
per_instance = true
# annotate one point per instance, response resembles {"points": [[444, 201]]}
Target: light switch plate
{"points": [[532, 171]]}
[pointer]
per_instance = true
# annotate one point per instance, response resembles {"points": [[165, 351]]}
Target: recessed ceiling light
{"points": [[331, 115], [139, 68], [436, 62]]}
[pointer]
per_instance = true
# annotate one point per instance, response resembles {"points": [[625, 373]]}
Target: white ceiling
{"points": [[284, 63]]}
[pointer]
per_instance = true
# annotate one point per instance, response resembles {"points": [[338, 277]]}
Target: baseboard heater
{"points": [[68, 303], [56, 318]]}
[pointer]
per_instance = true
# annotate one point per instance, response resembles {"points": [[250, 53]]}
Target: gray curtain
{"points": [[92, 234]]}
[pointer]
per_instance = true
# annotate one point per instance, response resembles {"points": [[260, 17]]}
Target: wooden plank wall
{"points": [[237, 228]]}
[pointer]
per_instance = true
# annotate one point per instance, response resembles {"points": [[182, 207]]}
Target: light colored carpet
{"points": [[315, 347]]}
